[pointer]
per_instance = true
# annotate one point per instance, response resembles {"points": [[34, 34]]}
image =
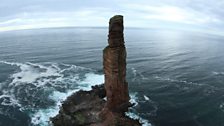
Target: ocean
{"points": [[176, 78]]}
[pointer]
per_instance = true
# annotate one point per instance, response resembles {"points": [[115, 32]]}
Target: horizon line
{"points": [[97, 27]]}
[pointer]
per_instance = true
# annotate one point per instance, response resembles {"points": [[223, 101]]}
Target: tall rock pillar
{"points": [[114, 63]]}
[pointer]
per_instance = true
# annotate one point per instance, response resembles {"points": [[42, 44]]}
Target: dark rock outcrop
{"points": [[88, 108], [84, 108], [81, 108]]}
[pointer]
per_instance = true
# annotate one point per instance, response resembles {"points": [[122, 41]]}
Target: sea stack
{"points": [[114, 65], [89, 108]]}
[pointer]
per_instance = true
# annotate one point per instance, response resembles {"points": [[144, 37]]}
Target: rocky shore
{"points": [[84, 109], [104, 105]]}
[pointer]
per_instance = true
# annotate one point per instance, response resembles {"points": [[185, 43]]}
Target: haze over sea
{"points": [[176, 78]]}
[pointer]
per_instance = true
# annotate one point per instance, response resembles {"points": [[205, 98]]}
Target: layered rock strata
{"points": [[114, 62]]}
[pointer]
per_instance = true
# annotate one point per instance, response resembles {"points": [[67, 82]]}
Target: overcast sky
{"points": [[203, 15]]}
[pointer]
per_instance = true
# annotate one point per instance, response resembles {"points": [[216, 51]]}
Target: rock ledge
{"points": [[83, 108]]}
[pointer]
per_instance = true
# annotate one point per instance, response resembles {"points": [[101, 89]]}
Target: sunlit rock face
{"points": [[114, 62]]}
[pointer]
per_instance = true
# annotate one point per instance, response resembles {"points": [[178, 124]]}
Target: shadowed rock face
{"points": [[114, 62]]}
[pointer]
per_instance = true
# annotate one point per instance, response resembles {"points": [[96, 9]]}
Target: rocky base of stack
{"points": [[83, 108]]}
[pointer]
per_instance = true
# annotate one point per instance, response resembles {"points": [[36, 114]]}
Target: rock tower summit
{"points": [[114, 65]]}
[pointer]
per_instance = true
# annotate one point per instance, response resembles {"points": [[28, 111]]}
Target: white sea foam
{"points": [[134, 100], [11, 63], [221, 106], [137, 74], [176, 80], [40, 75], [144, 122], [42, 116], [134, 71], [30, 72], [146, 98], [9, 100], [91, 79], [218, 73]]}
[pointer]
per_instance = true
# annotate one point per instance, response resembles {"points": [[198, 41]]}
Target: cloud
{"points": [[188, 14], [173, 14], [82, 17]]}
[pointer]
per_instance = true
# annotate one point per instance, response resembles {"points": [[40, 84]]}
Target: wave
{"points": [[132, 112], [30, 72], [221, 106], [176, 80], [8, 100], [217, 73], [34, 84], [146, 98]]}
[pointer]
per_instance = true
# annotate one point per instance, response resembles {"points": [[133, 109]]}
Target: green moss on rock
{"points": [[80, 118]]}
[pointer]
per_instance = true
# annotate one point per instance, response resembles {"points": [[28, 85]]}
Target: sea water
{"points": [[176, 78]]}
